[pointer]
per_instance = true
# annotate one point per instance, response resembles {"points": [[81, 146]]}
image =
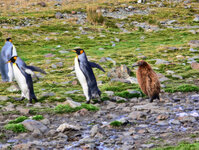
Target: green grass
{"points": [[126, 94], [182, 88], [182, 146], [38, 117], [68, 109], [18, 120], [17, 128], [116, 123]]}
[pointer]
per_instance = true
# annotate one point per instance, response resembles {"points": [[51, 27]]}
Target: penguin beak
{"points": [[72, 50], [8, 61], [135, 65]]}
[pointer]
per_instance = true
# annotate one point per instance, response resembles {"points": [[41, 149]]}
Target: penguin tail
{"points": [[37, 69]]}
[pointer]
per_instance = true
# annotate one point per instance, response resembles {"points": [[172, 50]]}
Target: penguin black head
{"points": [[9, 39], [13, 59], [79, 51]]}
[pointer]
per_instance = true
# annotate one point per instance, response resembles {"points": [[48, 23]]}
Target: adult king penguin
{"points": [[85, 75], [148, 80], [7, 52], [22, 74]]}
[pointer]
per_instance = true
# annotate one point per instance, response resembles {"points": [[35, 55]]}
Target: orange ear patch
{"points": [[81, 51]]}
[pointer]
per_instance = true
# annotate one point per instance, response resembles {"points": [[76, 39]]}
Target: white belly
{"points": [[81, 78], [21, 80]]}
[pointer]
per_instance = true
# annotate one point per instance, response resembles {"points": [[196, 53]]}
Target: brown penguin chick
{"points": [[148, 80]]}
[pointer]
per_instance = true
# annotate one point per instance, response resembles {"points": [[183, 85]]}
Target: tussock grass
{"points": [[94, 15]]}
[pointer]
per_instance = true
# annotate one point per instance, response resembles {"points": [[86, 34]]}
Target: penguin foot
{"points": [[150, 100], [88, 102]]}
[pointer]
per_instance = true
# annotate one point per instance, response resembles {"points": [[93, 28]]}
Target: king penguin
{"points": [[148, 80], [85, 75], [22, 74], [7, 52]]}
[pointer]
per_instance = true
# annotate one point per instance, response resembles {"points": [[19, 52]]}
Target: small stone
{"points": [[101, 49], [110, 59], [81, 112], [117, 40], [177, 76], [196, 19], [109, 93], [22, 110], [192, 31], [118, 99], [77, 37], [147, 145], [45, 94], [22, 146], [72, 103], [94, 130], [195, 97], [194, 43], [73, 12], [49, 55], [195, 65], [171, 22], [13, 88], [162, 117], [33, 125], [72, 92], [45, 121], [137, 115], [161, 61], [59, 64], [54, 66], [103, 59], [91, 37], [65, 126], [162, 123], [59, 15], [86, 140], [187, 119], [175, 122], [9, 107], [193, 50], [3, 98], [74, 82]]}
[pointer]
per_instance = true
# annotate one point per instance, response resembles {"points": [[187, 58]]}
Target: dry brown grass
{"points": [[31, 5], [94, 15]]}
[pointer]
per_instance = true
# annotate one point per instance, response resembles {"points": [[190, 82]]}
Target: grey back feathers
{"points": [[7, 52], [86, 68]]}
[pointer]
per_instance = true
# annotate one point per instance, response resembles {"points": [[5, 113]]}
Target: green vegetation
{"points": [[18, 120], [126, 94], [68, 109], [116, 123], [17, 128], [183, 88], [38, 117], [182, 146]]}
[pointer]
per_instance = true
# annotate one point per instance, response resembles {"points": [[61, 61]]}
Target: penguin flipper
{"points": [[37, 69], [94, 65]]}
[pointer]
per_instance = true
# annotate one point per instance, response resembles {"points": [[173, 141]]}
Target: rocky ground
{"points": [[144, 125]]}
